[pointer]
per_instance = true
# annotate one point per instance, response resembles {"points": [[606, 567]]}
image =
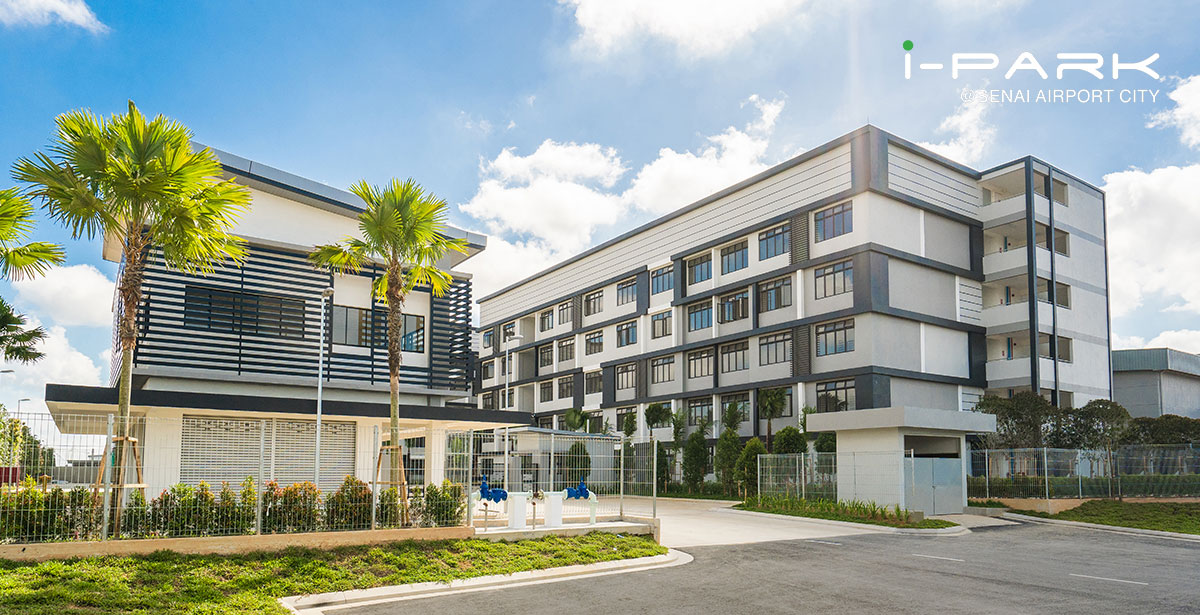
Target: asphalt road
{"points": [[1028, 568]]}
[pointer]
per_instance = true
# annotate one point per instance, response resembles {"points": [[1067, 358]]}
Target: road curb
{"points": [[958, 530], [1106, 528], [316, 604]]}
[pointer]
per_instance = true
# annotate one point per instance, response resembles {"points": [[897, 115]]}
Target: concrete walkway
{"points": [[690, 523]]}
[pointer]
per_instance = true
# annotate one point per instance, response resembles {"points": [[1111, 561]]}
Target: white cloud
{"points": [[62, 364], [970, 134], [675, 178], [1186, 114], [697, 28], [1120, 342], [78, 295], [46, 12], [473, 124], [1187, 340], [1152, 222]]}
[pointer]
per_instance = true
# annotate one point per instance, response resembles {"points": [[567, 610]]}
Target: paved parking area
{"points": [[1023, 568], [690, 523]]}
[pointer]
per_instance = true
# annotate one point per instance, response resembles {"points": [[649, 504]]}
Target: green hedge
{"points": [[1150, 485]]}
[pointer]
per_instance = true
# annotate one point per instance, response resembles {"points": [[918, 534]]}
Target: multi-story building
{"points": [[226, 364], [1156, 381], [868, 272]]}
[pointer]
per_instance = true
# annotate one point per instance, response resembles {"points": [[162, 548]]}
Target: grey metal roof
{"points": [[1155, 360]]}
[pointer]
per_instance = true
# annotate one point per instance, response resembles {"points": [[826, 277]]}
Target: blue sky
{"points": [[552, 126]]}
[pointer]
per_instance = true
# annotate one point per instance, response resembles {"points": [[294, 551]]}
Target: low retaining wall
{"points": [[226, 545], [1054, 506]]}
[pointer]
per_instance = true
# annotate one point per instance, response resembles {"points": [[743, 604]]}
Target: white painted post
{"points": [[552, 462], [262, 454], [621, 475], [654, 478], [987, 474], [506, 456], [1046, 471], [758, 478], [800, 471], [108, 443], [375, 477]]}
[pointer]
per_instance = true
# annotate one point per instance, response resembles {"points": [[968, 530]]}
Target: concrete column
{"points": [[435, 455]]}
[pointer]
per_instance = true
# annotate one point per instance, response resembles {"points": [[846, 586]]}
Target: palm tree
{"points": [[17, 343], [17, 261], [139, 182], [404, 228], [574, 419], [771, 404], [16, 221]]}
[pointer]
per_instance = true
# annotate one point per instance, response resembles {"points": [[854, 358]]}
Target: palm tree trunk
{"points": [[768, 434], [395, 330], [129, 290]]}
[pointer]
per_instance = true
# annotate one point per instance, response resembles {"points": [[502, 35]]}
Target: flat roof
{"points": [[1155, 360]]}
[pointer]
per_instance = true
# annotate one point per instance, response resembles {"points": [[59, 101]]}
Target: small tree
{"points": [[628, 428], [578, 464], [679, 424], [747, 466], [695, 461], [826, 442], [662, 469], [574, 419], [771, 405], [728, 447], [1020, 420], [657, 415], [790, 441]]}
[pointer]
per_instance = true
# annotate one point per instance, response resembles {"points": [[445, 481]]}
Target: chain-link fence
{"points": [[94, 477], [542, 470], [1046, 473]]}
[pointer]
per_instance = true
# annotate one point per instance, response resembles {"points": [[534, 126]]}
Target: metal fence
{"points": [[1046, 473], [88, 477], [802, 475]]}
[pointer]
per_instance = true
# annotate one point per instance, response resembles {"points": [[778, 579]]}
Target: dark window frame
{"points": [[627, 291], [662, 369], [826, 279], [660, 324], [833, 222], [775, 349], [593, 343], [700, 363], [626, 376], [835, 337], [735, 357], [774, 242], [734, 306], [775, 294], [593, 302], [699, 269], [699, 316], [662, 279], [735, 257], [839, 392], [626, 334]]}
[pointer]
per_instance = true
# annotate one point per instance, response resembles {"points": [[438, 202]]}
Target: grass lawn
{"points": [[1183, 517], [167, 582], [924, 524], [987, 503]]}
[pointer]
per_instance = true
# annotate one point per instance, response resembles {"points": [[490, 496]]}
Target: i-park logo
{"points": [[1026, 62]]}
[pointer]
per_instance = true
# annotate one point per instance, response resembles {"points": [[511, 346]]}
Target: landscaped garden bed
{"points": [[857, 512], [168, 582], [1183, 517]]}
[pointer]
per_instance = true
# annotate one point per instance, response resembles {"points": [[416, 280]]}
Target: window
{"points": [[774, 294], [699, 269], [835, 396], [626, 292], [735, 306], [595, 422], [734, 357], [593, 382], [835, 279], [835, 337], [489, 401], [662, 370], [350, 326], [593, 343], [489, 370], [488, 338], [546, 422], [508, 403], [626, 333], [508, 331], [833, 221], [1062, 292], [546, 355], [699, 410], [566, 350], [622, 416], [626, 376], [593, 303], [660, 325], [546, 390], [503, 366], [1064, 348], [774, 349], [247, 313], [662, 279], [566, 312], [788, 409], [773, 242], [700, 363], [566, 387], [734, 257], [546, 320], [699, 316], [412, 339], [741, 401]]}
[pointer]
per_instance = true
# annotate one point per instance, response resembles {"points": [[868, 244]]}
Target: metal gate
{"points": [[935, 484]]}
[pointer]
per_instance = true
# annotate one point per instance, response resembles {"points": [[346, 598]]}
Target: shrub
{"points": [[135, 517], [387, 511], [663, 471], [349, 508], [294, 508], [747, 466], [826, 442], [577, 465], [695, 460], [434, 506], [789, 441], [23, 511]]}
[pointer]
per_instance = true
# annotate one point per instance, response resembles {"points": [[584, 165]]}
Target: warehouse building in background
{"points": [[1156, 381], [866, 273]]}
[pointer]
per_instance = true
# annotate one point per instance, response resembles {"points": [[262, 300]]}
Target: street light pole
{"points": [[325, 296], [508, 364], [19, 402]]}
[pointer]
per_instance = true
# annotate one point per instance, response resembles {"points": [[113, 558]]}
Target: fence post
{"points": [[654, 478], [1078, 474], [375, 475], [1046, 473], [552, 462], [262, 453], [506, 459], [621, 476], [108, 443], [470, 477], [758, 478], [800, 475], [987, 474]]}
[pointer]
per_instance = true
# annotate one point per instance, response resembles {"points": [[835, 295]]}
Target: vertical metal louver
{"points": [[219, 449]]}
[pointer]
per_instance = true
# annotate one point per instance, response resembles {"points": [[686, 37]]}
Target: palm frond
{"points": [[349, 256], [16, 222], [18, 342]]}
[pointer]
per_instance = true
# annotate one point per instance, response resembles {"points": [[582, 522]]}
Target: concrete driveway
{"points": [[693, 523]]}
